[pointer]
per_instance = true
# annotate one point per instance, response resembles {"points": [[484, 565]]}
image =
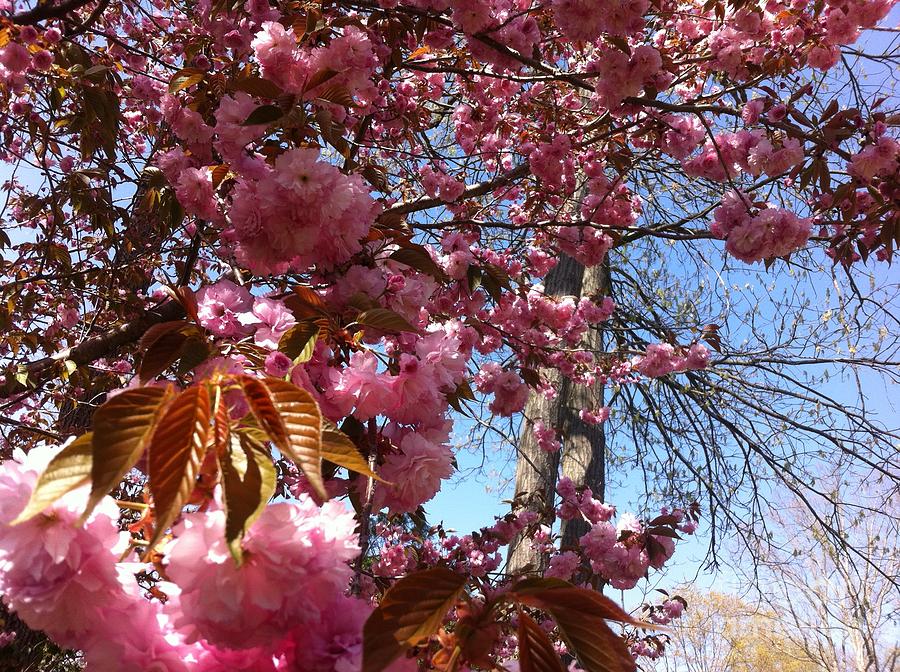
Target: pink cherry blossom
{"points": [[15, 57], [271, 319], [415, 473], [295, 564], [221, 306], [59, 577]]}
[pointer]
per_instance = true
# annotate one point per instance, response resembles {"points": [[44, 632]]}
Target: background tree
{"points": [[720, 632], [842, 613]]}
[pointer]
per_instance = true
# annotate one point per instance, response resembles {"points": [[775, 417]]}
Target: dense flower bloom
{"points": [[362, 386], [586, 20], [658, 360], [58, 576], [772, 232], [15, 57], [335, 645], [299, 212], [221, 306], [195, 193], [295, 563], [414, 474], [878, 158], [281, 61], [136, 636]]}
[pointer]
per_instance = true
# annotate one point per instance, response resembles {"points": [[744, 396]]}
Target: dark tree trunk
{"points": [[583, 445]]}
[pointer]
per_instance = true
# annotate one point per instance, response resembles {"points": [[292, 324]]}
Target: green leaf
{"points": [[123, 427], [248, 481], [410, 612], [338, 448], [384, 319], [299, 341], [265, 114], [292, 420], [536, 652], [70, 469], [176, 452]]}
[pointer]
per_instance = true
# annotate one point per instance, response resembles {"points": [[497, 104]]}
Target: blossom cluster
{"points": [[771, 232], [660, 359], [726, 155], [68, 581], [622, 553]]}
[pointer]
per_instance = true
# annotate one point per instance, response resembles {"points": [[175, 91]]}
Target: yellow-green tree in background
{"points": [[724, 633]]}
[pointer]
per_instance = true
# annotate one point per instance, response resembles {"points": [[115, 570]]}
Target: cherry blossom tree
{"points": [[259, 257]]}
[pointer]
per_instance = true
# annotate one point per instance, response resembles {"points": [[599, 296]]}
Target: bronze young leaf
{"points": [[123, 427], [292, 420], [176, 452], [70, 469], [410, 612]]}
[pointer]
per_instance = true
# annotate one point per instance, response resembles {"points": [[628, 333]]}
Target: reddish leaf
{"points": [[664, 520], [185, 78], [320, 77], [176, 453], [305, 303], [292, 420], [188, 300], [219, 173], [335, 93], [536, 652], [167, 346], [299, 341], [157, 331], [257, 86], [339, 449], [545, 593], [580, 615], [597, 648], [663, 531], [410, 612], [123, 427], [416, 256], [221, 426], [265, 114]]}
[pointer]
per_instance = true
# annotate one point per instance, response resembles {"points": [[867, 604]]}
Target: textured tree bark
{"points": [[583, 451], [584, 445]]}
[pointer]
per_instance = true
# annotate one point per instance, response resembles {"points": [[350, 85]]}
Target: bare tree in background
{"points": [[765, 417], [720, 632], [845, 615]]}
